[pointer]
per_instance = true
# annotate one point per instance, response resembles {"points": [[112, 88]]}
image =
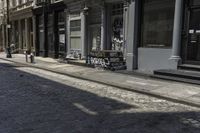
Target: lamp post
{"points": [[8, 30]]}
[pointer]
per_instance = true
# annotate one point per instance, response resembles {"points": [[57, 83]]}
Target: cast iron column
{"points": [[132, 35], [34, 34], [176, 45], [103, 28], [27, 31], [83, 35], [8, 29], [8, 22], [20, 36], [45, 28], [125, 27]]}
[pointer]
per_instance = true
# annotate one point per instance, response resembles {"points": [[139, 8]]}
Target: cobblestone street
{"points": [[38, 101]]}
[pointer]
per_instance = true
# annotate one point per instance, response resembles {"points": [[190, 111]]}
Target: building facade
{"points": [[21, 21], [151, 34], [72, 28], [3, 18], [165, 35], [50, 28], [95, 25]]}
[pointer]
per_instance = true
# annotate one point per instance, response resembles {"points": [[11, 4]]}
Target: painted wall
{"points": [[150, 59]]}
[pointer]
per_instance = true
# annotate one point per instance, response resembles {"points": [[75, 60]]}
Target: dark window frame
{"points": [[142, 43]]}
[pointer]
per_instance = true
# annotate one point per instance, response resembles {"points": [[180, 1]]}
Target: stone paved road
{"points": [[37, 101]]}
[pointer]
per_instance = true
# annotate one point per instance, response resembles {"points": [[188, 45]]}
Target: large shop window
{"points": [[41, 32], [194, 2], [61, 31], [50, 33], [96, 37], [117, 27], [75, 34], [157, 23], [95, 28]]}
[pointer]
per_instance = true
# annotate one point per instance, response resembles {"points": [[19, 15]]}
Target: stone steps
{"points": [[182, 75]]}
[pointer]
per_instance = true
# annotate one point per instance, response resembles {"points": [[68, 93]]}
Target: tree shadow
{"points": [[32, 104]]}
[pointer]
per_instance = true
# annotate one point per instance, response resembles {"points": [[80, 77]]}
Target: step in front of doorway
{"points": [[189, 67], [187, 76]]}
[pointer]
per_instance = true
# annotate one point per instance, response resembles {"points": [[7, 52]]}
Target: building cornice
{"points": [[22, 6]]}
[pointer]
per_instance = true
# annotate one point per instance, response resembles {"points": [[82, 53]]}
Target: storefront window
{"points": [[50, 33], [96, 37], [41, 33], [194, 2], [15, 34], [157, 23], [117, 26], [95, 28], [75, 34], [61, 31]]}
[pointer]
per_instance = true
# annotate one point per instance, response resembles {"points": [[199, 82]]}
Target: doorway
{"points": [[61, 34], [117, 31], [192, 51], [50, 33]]}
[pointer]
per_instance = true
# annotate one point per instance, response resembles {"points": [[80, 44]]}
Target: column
{"points": [[4, 36], [1, 38], [27, 34], [7, 36], [103, 28], [13, 32], [125, 27], [83, 35], [108, 26], [20, 35], [132, 35], [68, 31], [34, 34], [176, 45], [55, 35]]}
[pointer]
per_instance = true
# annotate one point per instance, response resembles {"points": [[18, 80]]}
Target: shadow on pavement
{"points": [[31, 104]]}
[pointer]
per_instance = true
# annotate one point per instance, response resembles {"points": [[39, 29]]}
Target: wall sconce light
{"points": [[85, 10]]}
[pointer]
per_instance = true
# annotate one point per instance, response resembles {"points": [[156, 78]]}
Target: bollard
{"points": [[26, 55], [32, 58], [79, 56], [8, 53]]}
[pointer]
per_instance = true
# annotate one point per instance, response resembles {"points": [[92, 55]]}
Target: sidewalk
{"points": [[174, 91]]}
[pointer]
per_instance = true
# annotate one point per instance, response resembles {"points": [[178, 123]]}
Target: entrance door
{"points": [[95, 35], [61, 34], [117, 36], [51, 48], [193, 45]]}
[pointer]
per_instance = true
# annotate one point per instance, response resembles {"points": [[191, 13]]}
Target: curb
{"points": [[127, 88]]}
